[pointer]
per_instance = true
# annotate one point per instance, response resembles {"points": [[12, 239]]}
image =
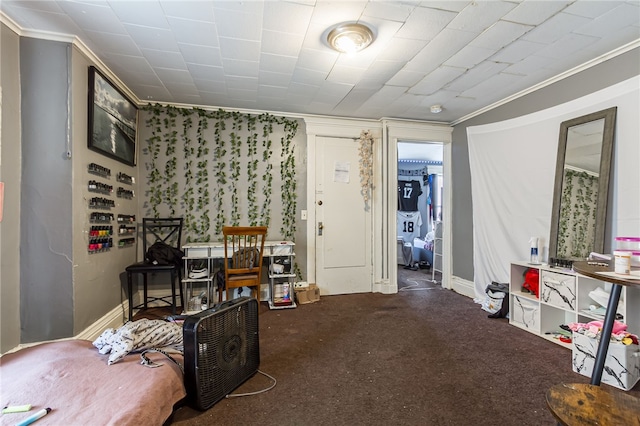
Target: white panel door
{"points": [[343, 228]]}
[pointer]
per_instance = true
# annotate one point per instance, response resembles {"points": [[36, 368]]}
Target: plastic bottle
{"points": [[534, 250]]}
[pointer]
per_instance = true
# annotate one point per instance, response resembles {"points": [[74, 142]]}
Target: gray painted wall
{"points": [[10, 175], [46, 286], [613, 71]]}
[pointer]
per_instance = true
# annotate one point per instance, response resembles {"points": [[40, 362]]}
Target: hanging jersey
{"points": [[408, 193], [409, 224]]}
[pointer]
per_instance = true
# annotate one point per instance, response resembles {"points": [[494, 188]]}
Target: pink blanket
{"points": [[74, 380]]}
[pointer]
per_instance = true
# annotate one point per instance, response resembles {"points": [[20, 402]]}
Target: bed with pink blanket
{"points": [[73, 379]]}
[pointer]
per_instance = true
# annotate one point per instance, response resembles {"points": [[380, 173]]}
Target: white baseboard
{"points": [[113, 319], [462, 286]]}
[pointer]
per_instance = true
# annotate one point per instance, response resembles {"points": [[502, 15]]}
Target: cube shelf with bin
{"points": [[564, 298]]}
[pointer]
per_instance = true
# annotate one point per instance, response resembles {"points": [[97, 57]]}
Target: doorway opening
{"points": [[419, 215]]}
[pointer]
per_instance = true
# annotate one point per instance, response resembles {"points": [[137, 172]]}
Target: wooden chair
{"points": [[243, 249], [168, 230]]}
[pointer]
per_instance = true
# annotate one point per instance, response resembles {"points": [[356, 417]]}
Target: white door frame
{"points": [[384, 202], [331, 127], [408, 131]]}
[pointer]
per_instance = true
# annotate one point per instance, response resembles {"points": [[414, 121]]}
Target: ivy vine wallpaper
{"points": [[221, 168]]}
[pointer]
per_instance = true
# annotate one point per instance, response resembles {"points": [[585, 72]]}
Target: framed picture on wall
{"points": [[113, 120]]}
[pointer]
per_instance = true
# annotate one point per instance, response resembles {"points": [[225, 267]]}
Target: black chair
{"points": [[168, 230]]}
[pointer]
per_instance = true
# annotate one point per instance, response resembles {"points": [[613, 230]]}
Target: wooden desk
{"points": [[582, 405], [594, 271]]}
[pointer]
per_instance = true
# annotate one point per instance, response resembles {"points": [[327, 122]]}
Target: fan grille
{"points": [[221, 350]]}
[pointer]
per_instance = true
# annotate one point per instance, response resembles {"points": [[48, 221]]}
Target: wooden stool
{"points": [[583, 405]]}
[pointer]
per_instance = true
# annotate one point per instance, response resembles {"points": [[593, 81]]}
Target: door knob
{"points": [[320, 202]]}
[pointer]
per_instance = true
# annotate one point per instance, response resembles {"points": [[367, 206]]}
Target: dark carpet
{"points": [[424, 356]]}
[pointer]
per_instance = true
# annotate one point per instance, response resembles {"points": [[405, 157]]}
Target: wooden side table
{"points": [[584, 405]]}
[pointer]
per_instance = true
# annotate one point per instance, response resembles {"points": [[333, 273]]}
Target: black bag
{"points": [[496, 287], [161, 253]]}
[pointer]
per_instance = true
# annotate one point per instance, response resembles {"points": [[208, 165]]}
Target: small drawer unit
{"points": [[558, 289]]}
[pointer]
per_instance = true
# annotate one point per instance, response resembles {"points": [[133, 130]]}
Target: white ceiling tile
{"points": [[269, 78], [566, 46], [277, 63], [401, 49], [245, 50], [381, 71], [308, 77], [141, 13], [266, 91], [203, 55], [242, 83], [591, 9], [446, 44], [452, 5], [526, 65], [194, 32], [469, 56], [477, 16], [616, 39], [236, 24], [202, 73], [346, 75], [517, 51], [394, 11], [279, 43], [476, 75], [302, 90], [621, 16], [555, 28], [317, 59], [406, 78], [182, 89], [286, 17], [532, 12], [152, 93], [500, 34], [152, 38], [42, 5], [94, 17], [158, 58], [114, 43], [435, 80], [486, 89], [330, 13], [131, 63], [239, 68], [174, 75], [425, 23], [193, 10]]}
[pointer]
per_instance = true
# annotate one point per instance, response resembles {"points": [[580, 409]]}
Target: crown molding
{"points": [[77, 43]]}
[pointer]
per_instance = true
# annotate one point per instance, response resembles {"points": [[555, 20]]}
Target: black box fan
{"points": [[221, 350]]}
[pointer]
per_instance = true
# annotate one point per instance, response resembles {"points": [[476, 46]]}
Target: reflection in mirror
{"points": [[581, 187]]}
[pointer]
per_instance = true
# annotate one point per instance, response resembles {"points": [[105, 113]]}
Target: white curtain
{"points": [[512, 166]]}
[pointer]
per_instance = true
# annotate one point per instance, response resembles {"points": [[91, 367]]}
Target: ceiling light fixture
{"points": [[350, 37], [436, 109]]}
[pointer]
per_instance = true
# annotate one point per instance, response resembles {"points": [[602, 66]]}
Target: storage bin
{"points": [[558, 290], [621, 367], [628, 243], [525, 313]]}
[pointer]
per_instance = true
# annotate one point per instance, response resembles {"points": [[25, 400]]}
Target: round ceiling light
{"points": [[350, 38]]}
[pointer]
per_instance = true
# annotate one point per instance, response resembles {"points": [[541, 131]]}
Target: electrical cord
{"points": [[233, 395]]}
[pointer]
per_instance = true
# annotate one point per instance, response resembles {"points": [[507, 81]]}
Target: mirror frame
{"points": [[609, 116]]}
